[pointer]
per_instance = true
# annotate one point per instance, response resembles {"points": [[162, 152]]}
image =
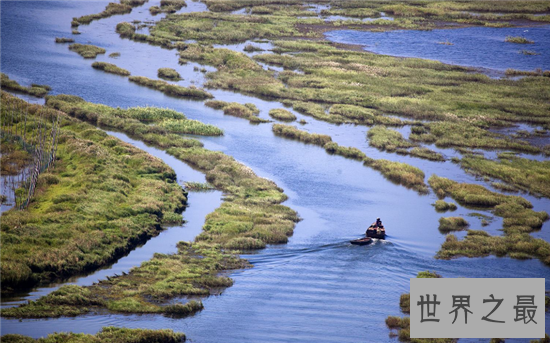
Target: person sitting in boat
{"points": [[378, 222]]}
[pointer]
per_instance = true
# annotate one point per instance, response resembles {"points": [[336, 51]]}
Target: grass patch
{"points": [[86, 50], [170, 89], [448, 224], [400, 173], [282, 114], [247, 111], [169, 74], [518, 40], [114, 55], [110, 68], [386, 139], [102, 199], [520, 173], [106, 335], [443, 206], [34, 90], [198, 187], [168, 6], [150, 124], [291, 132], [113, 8]]}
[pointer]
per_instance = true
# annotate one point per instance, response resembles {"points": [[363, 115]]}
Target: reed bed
{"points": [[110, 68], [86, 50]]}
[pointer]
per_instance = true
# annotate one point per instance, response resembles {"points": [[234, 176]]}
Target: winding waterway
{"points": [[315, 288]]}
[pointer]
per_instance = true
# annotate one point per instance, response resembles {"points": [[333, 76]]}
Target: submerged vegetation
{"points": [[34, 89], [170, 89], [110, 68], [118, 193], [64, 40], [86, 50], [106, 335]]}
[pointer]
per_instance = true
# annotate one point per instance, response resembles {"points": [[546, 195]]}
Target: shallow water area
{"points": [[471, 46]]}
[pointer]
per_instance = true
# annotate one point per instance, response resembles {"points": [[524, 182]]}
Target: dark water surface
{"points": [[317, 287], [472, 46]]}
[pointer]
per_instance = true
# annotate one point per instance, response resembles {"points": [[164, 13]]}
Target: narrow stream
{"points": [[317, 287]]}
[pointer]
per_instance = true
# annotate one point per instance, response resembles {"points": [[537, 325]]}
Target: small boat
{"points": [[376, 232], [362, 241]]}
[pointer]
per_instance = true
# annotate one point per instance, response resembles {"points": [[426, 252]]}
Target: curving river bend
{"points": [[315, 288]]}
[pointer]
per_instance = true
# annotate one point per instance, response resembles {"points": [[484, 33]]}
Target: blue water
{"points": [[473, 46], [315, 288]]}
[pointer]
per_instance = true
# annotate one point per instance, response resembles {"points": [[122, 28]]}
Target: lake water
{"points": [[317, 287], [472, 46]]}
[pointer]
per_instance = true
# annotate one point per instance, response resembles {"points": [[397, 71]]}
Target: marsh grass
{"points": [[117, 193], [86, 50], [448, 224], [443, 206], [291, 132], [400, 173], [170, 89], [247, 111], [518, 40], [386, 139], [515, 172], [34, 90], [167, 6], [113, 8], [169, 74], [519, 220], [106, 335], [199, 187], [529, 52], [110, 68], [282, 114], [114, 54], [137, 121]]}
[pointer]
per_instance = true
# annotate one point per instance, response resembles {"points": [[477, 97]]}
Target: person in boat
{"points": [[378, 222]]}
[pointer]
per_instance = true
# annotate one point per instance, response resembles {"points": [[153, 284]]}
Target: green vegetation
{"points": [[150, 124], [522, 173], [448, 224], [13, 157], [518, 40], [169, 74], [282, 114], [247, 111], [113, 8], [86, 51], [385, 139], [106, 335], [529, 52], [519, 220], [75, 32], [170, 89], [64, 40], [110, 68], [145, 289], [114, 54], [400, 173], [102, 199], [250, 217], [167, 6], [443, 206], [303, 136], [34, 90], [198, 187], [536, 72]]}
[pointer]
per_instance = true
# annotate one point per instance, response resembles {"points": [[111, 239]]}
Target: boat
{"points": [[362, 241], [376, 232]]}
